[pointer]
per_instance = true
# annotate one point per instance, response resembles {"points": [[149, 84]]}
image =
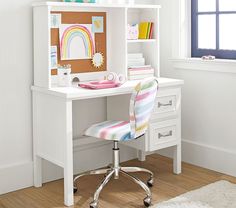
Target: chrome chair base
{"points": [[115, 170]]}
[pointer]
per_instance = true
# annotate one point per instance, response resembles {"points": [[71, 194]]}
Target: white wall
{"points": [[208, 105], [16, 67], [15, 80]]}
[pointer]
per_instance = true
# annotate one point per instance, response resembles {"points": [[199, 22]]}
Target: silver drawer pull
{"points": [[170, 133], [165, 104]]}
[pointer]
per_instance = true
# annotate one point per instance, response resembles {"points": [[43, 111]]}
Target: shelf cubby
{"points": [[148, 47]]}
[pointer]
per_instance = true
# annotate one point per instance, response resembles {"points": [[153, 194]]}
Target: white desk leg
{"points": [[177, 159], [141, 155], [68, 166], [37, 159], [37, 171]]}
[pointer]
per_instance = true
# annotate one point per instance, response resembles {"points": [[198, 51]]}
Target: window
{"points": [[214, 28]]}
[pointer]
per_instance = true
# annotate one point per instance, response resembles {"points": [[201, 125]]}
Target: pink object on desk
{"points": [[100, 85]]}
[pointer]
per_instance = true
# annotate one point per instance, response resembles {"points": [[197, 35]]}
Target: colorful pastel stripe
{"points": [[76, 31], [141, 105], [110, 130]]}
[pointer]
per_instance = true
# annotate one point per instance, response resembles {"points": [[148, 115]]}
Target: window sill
{"points": [[217, 65]]}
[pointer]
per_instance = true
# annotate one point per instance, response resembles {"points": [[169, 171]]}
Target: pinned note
{"points": [[97, 24], [55, 20]]}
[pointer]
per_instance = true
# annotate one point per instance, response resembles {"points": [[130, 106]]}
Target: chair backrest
{"points": [[141, 105]]}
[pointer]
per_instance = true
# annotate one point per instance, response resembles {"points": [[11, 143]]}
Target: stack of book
{"points": [[137, 68], [146, 30], [136, 59]]}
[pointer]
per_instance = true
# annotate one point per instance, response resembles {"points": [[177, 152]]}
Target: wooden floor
{"points": [[118, 193]]}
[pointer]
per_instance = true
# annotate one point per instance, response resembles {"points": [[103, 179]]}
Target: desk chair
{"points": [[141, 105]]}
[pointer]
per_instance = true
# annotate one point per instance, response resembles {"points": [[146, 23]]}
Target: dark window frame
{"points": [[197, 52]]}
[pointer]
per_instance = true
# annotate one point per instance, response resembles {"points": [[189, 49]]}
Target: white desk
{"points": [[52, 125]]}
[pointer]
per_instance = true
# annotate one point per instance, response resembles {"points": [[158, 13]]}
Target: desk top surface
{"points": [[78, 93]]}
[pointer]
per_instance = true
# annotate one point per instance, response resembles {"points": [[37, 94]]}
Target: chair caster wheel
{"points": [[150, 182], [93, 205], [147, 201], [75, 190]]}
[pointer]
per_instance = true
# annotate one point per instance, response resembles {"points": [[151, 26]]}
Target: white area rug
{"points": [[221, 194]]}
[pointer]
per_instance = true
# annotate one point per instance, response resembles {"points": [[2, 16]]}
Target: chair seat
{"points": [[111, 130]]}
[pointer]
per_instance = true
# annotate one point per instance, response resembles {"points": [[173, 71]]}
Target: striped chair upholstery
{"points": [[141, 105]]}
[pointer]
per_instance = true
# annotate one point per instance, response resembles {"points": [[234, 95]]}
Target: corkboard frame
{"points": [[81, 65]]}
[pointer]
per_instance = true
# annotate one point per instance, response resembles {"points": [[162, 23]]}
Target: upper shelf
{"points": [[96, 5]]}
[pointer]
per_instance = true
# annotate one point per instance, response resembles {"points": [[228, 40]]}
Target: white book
{"points": [[136, 60], [136, 77], [139, 62], [142, 72], [135, 55], [137, 67], [134, 64]]}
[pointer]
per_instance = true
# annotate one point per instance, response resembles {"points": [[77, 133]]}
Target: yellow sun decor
{"points": [[98, 60]]}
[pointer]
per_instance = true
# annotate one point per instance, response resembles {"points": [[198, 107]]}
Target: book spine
{"points": [[148, 30], [136, 60], [135, 77], [151, 31], [151, 72], [136, 63], [141, 69], [135, 55], [143, 27]]}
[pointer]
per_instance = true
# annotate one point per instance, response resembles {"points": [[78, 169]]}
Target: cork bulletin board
{"points": [[81, 65]]}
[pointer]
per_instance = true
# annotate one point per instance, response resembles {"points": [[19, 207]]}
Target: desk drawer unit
{"points": [[163, 133], [167, 104]]}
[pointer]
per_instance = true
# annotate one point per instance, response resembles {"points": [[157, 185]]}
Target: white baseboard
{"points": [[20, 176], [210, 157], [213, 158], [16, 177]]}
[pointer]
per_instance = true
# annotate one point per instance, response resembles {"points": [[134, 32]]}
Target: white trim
{"points": [[15, 177], [211, 147], [46, 157], [181, 44], [210, 157], [217, 65], [207, 156], [94, 5], [85, 142], [181, 28]]}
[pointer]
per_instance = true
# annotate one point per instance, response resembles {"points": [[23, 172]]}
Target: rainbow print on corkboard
{"points": [[76, 41]]}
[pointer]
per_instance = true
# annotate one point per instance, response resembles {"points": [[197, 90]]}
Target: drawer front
{"points": [[163, 132], [167, 104]]}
